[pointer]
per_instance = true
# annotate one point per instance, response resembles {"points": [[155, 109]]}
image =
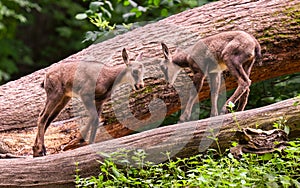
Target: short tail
{"points": [[258, 56]]}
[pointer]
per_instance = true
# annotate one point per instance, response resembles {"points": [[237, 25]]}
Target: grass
{"points": [[129, 169]]}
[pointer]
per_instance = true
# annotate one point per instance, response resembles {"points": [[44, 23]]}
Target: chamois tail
{"points": [[258, 56]]}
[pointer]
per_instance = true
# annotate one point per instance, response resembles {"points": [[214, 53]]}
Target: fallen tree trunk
{"points": [[181, 140], [274, 23]]}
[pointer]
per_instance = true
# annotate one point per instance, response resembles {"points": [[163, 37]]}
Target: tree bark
{"points": [[275, 24], [181, 140]]}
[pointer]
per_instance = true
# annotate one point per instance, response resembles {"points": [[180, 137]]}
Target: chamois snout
{"points": [[139, 86], [138, 80], [137, 74]]}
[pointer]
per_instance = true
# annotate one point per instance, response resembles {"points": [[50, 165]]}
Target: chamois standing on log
{"points": [[68, 79], [235, 51]]}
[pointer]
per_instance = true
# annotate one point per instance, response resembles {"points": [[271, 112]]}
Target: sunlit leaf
{"points": [[164, 12], [94, 6], [81, 16]]}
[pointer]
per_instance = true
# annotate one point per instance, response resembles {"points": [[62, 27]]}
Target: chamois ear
{"points": [[139, 57], [125, 56], [165, 50]]}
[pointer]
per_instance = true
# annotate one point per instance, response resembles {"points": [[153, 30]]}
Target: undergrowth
{"points": [[130, 169]]}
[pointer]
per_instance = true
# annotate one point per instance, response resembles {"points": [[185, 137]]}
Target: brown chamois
{"points": [[92, 83], [235, 51]]}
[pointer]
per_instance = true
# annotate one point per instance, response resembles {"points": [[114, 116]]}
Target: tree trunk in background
{"points": [[274, 23], [181, 140]]}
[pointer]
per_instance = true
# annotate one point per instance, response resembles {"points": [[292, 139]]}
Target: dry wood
{"points": [[181, 140], [259, 142]]}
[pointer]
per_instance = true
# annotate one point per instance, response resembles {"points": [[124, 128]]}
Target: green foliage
{"points": [[34, 35], [118, 16], [281, 124], [12, 13], [203, 170], [274, 90]]}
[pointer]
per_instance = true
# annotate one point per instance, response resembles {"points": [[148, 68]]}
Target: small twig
{"points": [[9, 156]]}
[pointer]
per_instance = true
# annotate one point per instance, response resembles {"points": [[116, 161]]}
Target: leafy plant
{"points": [[230, 107], [116, 17], [202, 170], [34, 35], [281, 124], [12, 13]]}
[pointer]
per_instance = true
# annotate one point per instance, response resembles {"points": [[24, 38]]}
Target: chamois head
{"points": [[167, 65], [135, 69]]}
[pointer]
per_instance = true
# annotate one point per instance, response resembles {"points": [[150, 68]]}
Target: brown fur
{"points": [[233, 50], [92, 82]]}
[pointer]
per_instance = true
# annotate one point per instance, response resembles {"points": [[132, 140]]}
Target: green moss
{"points": [[293, 13], [268, 35]]}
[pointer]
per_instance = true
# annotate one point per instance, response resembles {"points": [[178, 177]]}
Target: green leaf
{"points": [[164, 12], [156, 2], [267, 156], [287, 129], [132, 3], [115, 171], [106, 12], [268, 99], [296, 183], [81, 16], [126, 3], [234, 144], [231, 105], [2, 26], [109, 4], [137, 12], [4, 76], [94, 6], [64, 31]]}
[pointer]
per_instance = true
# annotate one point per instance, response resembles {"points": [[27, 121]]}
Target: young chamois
{"points": [[68, 79], [233, 50]]}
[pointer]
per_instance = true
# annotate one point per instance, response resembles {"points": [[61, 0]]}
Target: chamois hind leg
{"points": [[215, 84], [244, 98], [89, 103], [54, 104], [80, 140], [236, 69], [198, 80], [94, 127]]}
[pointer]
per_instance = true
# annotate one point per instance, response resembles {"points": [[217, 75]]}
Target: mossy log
{"points": [[181, 140]]}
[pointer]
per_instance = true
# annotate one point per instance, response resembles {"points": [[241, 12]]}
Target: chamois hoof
{"points": [[39, 152], [75, 143]]}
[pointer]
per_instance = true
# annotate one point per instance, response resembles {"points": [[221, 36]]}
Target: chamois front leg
{"points": [[93, 121], [94, 109], [198, 80], [215, 84]]}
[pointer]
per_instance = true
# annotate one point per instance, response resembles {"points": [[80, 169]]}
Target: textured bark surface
{"points": [[259, 142], [181, 140], [274, 23]]}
